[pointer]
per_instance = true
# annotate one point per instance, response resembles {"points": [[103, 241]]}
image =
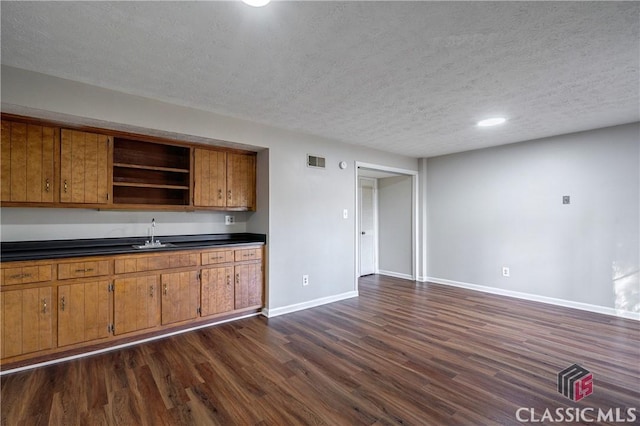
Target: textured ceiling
{"points": [[405, 77]]}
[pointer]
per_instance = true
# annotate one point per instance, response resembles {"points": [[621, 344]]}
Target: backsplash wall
{"points": [[32, 224]]}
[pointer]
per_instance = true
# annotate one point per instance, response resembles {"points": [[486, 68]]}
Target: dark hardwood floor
{"points": [[402, 352]]}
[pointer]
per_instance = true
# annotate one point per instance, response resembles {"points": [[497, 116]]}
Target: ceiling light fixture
{"points": [[256, 3], [494, 121]]}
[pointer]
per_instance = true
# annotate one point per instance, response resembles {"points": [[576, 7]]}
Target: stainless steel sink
{"points": [[150, 246]]}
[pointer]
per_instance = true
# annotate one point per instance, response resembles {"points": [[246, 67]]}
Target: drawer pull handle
{"points": [[150, 291], [62, 304], [47, 185], [19, 276], [84, 270], [44, 306], [229, 194], [165, 289], [237, 278], [219, 194], [66, 185], [228, 280]]}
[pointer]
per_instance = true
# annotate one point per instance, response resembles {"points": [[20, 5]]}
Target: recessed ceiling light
{"points": [[494, 121], [256, 3]]}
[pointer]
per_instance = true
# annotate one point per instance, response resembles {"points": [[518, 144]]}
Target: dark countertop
{"points": [[56, 249]]}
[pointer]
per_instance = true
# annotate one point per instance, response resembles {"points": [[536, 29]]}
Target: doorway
{"points": [[386, 221]]}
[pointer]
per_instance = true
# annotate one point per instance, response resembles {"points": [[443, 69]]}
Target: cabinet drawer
{"points": [[248, 254], [26, 274], [219, 256], [154, 263], [83, 269]]}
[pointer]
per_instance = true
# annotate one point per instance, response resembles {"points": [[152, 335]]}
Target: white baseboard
{"points": [[536, 298], [422, 279], [395, 274], [270, 313], [123, 345]]}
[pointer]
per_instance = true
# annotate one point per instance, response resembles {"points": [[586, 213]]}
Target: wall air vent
{"points": [[315, 161]]}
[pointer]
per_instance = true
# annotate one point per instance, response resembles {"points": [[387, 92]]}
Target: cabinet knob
{"points": [[47, 185], [62, 304], [66, 185], [44, 306]]}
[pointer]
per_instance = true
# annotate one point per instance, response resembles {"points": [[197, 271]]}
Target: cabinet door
{"points": [[180, 296], [210, 178], [26, 321], [136, 303], [83, 312], [248, 285], [217, 290], [27, 162], [84, 167], [241, 181]]}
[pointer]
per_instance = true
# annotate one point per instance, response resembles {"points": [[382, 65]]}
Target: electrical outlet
{"points": [[505, 272], [229, 220], [305, 280]]}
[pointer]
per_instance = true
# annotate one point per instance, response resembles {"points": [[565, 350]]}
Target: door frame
{"points": [[375, 224], [414, 214]]}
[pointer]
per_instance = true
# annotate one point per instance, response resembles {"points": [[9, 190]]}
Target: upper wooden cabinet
{"points": [[210, 178], [46, 166], [84, 167], [28, 163], [224, 180], [241, 181]]}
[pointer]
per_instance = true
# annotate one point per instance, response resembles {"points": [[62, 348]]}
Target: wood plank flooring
{"points": [[401, 353]]}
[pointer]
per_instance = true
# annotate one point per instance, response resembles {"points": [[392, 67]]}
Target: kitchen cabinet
{"points": [[26, 320], [217, 290], [248, 285], [84, 167], [224, 180], [210, 178], [42, 165], [136, 303], [83, 312], [57, 306], [27, 162], [241, 181], [180, 296]]}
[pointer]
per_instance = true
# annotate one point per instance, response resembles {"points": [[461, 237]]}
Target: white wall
{"points": [[395, 232], [300, 208], [503, 207]]}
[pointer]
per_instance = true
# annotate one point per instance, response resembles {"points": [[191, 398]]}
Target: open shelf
{"points": [[140, 167], [150, 173]]}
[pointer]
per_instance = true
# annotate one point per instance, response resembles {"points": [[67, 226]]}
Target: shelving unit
{"points": [[150, 173]]}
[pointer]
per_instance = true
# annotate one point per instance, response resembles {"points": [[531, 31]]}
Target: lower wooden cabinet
{"points": [[180, 296], [217, 290], [136, 304], [50, 307], [248, 285], [26, 322], [83, 312]]}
